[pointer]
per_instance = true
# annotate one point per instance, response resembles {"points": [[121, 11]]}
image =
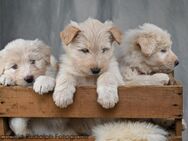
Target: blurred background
{"points": [[44, 19]]}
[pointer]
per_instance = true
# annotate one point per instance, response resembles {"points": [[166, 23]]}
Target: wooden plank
{"points": [[176, 138], [135, 102], [3, 126], [46, 138], [178, 124], [2, 131]]}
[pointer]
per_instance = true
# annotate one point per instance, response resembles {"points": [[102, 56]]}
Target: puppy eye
{"points": [[105, 49], [85, 50], [163, 50], [32, 61], [15, 66]]}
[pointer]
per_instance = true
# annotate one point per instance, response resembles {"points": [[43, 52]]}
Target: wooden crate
{"points": [[165, 102]]}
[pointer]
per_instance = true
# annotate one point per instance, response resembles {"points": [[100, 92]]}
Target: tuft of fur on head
{"points": [[22, 58], [148, 48], [89, 45], [129, 131]]}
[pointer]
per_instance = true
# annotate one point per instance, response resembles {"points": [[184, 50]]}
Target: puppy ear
{"points": [[116, 34], [69, 33], [146, 44]]}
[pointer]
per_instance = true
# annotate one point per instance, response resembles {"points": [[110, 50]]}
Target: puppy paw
{"points": [[161, 78], [107, 96], [44, 84], [19, 126], [64, 98], [6, 81]]}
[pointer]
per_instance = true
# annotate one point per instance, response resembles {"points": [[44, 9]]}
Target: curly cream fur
{"points": [[75, 67], [141, 56], [129, 131], [22, 58]]}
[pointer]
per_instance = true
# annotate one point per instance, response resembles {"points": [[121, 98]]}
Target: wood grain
{"points": [[178, 124], [3, 126], [8, 138], [135, 102]]}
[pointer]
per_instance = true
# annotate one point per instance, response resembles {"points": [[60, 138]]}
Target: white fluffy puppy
{"points": [[89, 60], [146, 56], [129, 131], [29, 63]]}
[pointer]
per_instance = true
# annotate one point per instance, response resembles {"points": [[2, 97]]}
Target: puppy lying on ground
{"points": [[146, 56], [29, 63], [89, 60]]}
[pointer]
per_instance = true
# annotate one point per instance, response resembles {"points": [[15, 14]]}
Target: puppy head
{"points": [[155, 46], [89, 45], [25, 60]]}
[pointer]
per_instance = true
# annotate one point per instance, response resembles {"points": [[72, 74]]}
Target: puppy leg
{"points": [[44, 84], [6, 80], [107, 90], [160, 78], [19, 126], [64, 89], [107, 85]]}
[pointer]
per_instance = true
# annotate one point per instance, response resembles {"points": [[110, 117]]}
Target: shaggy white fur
{"points": [[40, 126], [146, 57], [145, 51], [89, 60], [129, 131], [29, 63]]}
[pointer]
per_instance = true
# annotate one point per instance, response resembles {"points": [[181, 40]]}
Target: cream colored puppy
{"points": [[89, 60], [129, 131], [146, 56], [29, 63]]}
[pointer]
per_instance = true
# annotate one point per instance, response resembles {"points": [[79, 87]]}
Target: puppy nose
{"points": [[29, 78], [176, 63], [95, 70]]}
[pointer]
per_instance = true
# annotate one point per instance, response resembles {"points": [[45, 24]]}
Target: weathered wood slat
{"points": [[3, 126], [178, 124], [135, 102], [47, 138], [8, 138], [50, 139]]}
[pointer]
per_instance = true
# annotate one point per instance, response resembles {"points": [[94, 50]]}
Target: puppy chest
{"points": [[87, 81]]}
